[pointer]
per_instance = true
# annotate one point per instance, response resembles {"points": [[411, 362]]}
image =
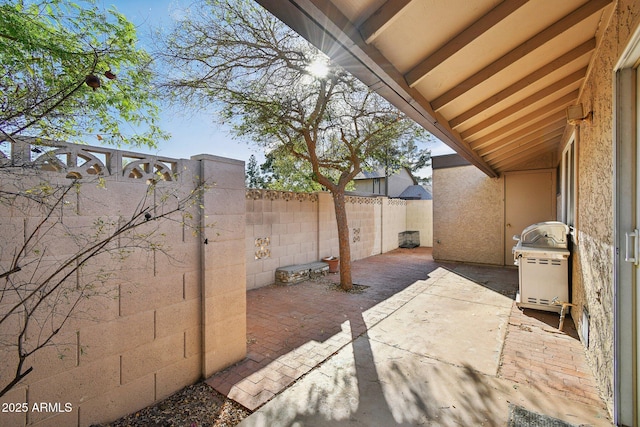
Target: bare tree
{"points": [[274, 87], [43, 288]]}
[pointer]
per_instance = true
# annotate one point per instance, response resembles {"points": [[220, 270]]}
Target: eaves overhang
{"points": [[492, 79], [323, 25]]}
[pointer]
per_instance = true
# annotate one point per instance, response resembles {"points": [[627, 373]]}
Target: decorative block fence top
{"points": [[263, 194], [84, 161]]}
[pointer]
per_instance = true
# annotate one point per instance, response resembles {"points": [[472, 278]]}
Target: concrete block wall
{"points": [[286, 228], [394, 218], [420, 218], [155, 321], [281, 229], [365, 226]]}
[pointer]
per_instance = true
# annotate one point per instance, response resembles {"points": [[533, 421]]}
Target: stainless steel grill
{"points": [[542, 255]]}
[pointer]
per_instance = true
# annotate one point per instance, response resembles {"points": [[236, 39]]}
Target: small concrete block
{"points": [[293, 274]]}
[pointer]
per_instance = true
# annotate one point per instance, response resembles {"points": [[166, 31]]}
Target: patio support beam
{"points": [[521, 84], [486, 146], [553, 106], [546, 35], [381, 19], [493, 17]]}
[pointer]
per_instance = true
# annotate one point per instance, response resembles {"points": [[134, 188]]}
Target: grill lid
{"points": [[549, 234]]}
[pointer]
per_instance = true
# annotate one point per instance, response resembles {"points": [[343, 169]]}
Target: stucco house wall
{"points": [[593, 256], [161, 318], [468, 215]]}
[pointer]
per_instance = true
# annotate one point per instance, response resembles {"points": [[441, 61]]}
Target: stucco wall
{"points": [[285, 228], [145, 331], [593, 256], [468, 214]]}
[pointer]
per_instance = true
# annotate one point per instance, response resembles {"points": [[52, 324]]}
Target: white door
{"points": [[529, 198], [636, 264], [627, 217]]}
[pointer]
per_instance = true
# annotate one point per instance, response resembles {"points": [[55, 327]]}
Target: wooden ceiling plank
{"points": [[462, 39], [539, 95], [540, 124], [524, 143], [508, 131], [508, 164], [552, 106], [541, 135], [546, 35], [526, 155], [539, 74], [381, 19]]}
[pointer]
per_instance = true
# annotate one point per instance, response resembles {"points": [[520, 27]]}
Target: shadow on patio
{"points": [[423, 343]]}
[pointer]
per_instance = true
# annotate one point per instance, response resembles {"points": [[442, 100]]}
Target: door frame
{"points": [[508, 235], [625, 196]]}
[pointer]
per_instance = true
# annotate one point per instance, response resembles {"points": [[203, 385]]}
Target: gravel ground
{"points": [[197, 405]]}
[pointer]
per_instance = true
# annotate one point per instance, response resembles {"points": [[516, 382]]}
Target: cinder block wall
{"points": [[285, 228], [394, 220], [158, 321], [420, 218]]}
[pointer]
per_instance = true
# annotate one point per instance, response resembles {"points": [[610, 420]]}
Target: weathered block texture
{"points": [[285, 228], [157, 303]]}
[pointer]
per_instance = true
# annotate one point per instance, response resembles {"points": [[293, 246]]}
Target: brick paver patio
{"points": [[292, 329]]}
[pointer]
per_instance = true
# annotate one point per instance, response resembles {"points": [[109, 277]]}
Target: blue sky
{"points": [[192, 132]]}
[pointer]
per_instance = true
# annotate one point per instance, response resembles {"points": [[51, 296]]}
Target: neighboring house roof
{"points": [[379, 173], [370, 174], [416, 192]]}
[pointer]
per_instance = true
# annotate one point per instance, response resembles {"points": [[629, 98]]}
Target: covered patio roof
{"points": [[492, 79]]}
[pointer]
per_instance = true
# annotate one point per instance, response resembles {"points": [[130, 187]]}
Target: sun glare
{"points": [[319, 68]]}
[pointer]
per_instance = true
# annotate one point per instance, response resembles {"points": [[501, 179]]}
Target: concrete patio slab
{"points": [[425, 343], [433, 361], [453, 320], [373, 384]]}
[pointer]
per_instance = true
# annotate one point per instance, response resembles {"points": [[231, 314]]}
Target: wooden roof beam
{"points": [[324, 25], [489, 20], [552, 106], [521, 84], [514, 126], [487, 146], [542, 94], [381, 19], [525, 155], [524, 143], [546, 35]]}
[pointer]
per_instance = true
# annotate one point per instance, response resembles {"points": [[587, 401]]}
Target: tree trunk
{"points": [[343, 240]]}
